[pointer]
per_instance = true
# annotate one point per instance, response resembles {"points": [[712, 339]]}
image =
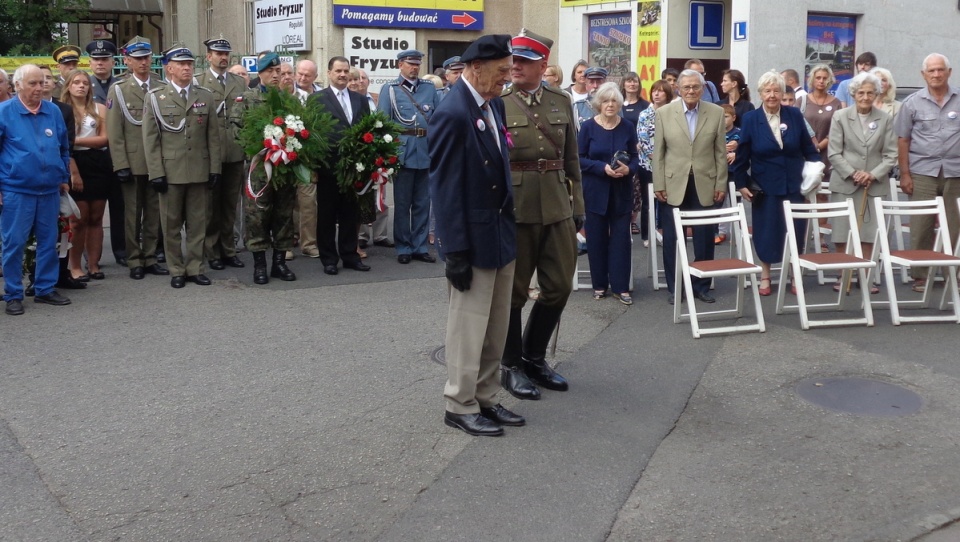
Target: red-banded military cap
{"points": [[531, 46]]}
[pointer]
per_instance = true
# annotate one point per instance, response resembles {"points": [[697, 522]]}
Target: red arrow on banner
{"points": [[466, 19]]}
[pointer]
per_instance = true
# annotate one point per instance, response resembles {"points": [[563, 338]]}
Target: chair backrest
{"points": [[816, 211], [734, 214], [896, 209]]}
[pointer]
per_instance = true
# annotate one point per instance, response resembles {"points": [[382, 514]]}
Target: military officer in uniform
{"points": [[182, 140], [67, 58], [268, 219], [141, 205], [452, 68], [219, 247], [101, 54], [410, 102], [545, 171], [583, 109]]}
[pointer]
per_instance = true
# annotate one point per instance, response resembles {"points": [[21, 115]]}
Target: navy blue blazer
{"points": [[596, 146], [470, 181], [778, 171]]}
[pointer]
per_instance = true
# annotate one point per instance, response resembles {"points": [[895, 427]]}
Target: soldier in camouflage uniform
{"points": [[269, 219], [181, 137], [545, 167]]}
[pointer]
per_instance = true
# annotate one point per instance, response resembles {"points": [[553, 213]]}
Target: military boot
{"points": [[512, 377], [279, 270], [543, 320], [260, 268]]}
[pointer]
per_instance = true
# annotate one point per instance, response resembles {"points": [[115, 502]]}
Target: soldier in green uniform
{"points": [[181, 136], [219, 248], [141, 205], [545, 167], [268, 219]]}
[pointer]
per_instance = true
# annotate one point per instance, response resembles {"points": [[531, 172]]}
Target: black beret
{"points": [[490, 47]]}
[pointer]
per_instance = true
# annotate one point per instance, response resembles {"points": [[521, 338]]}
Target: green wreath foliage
{"points": [[368, 150]]}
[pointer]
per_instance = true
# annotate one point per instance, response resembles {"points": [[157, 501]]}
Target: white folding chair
{"points": [[941, 256], [734, 197], [852, 260], [816, 234], [727, 267], [654, 265], [899, 228]]}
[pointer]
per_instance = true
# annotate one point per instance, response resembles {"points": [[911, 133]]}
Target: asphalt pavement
{"points": [[312, 410]]}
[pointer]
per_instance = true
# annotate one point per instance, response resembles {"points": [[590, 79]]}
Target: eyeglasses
{"points": [[691, 88]]}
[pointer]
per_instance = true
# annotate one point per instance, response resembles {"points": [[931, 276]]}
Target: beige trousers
{"points": [[307, 207]]}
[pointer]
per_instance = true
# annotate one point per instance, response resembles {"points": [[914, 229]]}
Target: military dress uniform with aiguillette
{"points": [[182, 138], [411, 105], [269, 219], [219, 245], [141, 204], [545, 173]]}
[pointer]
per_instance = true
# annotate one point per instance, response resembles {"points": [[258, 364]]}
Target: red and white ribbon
{"points": [[254, 162]]}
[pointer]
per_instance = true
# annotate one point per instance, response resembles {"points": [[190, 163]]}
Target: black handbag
{"points": [[756, 190]]}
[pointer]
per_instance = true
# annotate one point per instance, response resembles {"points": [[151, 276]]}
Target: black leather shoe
{"points": [[14, 307], [403, 258], [53, 298], [362, 243], [424, 257], [216, 264], [473, 424], [121, 258], [543, 375], [233, 261], [706, 298], [137, 273], [161, 256], [357, 266], [156, 269], [330, 269], [517, 383], [670, 300], [502, 416], [199, 280], [384, 243], [178, 281]]}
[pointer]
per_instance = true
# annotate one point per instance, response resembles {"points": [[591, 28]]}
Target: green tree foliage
{"points": [[29, 27]]}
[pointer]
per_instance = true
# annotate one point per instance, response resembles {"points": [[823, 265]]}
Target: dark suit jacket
{"points": [[778, 171], [67, 111], [470, 181], [328, 99]]}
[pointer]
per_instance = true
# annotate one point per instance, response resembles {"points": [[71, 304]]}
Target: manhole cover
{"points": [[439, 355], [860, 396]]}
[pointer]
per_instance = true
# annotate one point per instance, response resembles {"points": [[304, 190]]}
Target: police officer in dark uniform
{"points": [[545, 170], [220, 250], [452, 68], [410, 102], [269, 219], [182, 141], [141, 205]]}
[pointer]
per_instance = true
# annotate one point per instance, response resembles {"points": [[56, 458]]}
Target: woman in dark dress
{"points": [[96, 175], [607, 139]]}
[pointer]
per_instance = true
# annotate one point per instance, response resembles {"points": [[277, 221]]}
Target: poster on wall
{"points": [[375, 52], [609, 43], [648, 45], [281, 23], [831, 40]]}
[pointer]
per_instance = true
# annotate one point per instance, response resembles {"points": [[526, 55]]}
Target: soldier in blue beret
{"points": [[410, 102]]}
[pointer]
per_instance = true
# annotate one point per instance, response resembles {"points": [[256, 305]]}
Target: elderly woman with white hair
{"points": [[608, 161], [768, 170], [863, 150], [886, 93]]}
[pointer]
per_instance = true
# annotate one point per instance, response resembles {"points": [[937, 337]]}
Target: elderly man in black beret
{"points": [[477, 234]]}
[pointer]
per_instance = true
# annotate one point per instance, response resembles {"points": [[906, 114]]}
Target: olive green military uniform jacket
{"points": [[550, 195], [124, 120], [226, 95], [182, 138]]}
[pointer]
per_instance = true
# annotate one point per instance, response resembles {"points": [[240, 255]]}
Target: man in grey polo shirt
{"points": [[928, 132]]}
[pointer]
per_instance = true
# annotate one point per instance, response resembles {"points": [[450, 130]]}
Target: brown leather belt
{"points": [[416, 132], [540, 165]]}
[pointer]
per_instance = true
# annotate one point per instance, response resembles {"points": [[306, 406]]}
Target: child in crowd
{"points": [[733, 139]]}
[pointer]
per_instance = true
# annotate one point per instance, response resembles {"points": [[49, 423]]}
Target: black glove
{"points": [[159, 184], [213, 181], [459, 271], [578, 221], [124, 175]]}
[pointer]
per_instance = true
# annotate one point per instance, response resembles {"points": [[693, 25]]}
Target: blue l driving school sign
{"points": [[706, 25], [403, 17]]}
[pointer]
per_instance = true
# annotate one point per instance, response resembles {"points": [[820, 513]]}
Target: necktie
{"points": [[220, 79], [183, 94], [144, 87], [492, 122], [345, 103]]}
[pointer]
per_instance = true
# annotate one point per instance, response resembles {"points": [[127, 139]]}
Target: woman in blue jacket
{"points": [[774, 144]]}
